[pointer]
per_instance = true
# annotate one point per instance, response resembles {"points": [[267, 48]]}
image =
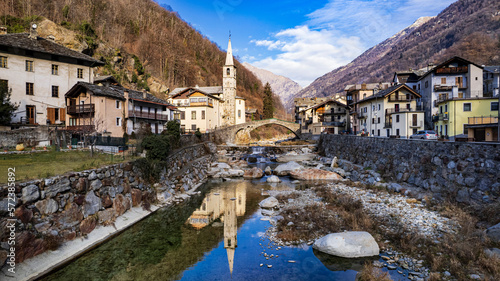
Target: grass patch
{"points": [[371, 273], [47, 164]]}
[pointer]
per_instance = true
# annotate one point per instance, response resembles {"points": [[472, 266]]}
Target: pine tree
{"points": [[268, 108], [6, 107]]}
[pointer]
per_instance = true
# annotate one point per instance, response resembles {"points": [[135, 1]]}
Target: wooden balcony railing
{"points": [[80, 109], [147, 115], [390, 111], [449, 70], [483, 120]]}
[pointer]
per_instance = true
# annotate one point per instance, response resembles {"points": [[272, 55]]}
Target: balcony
{"points": [[339, 112], [147, 115], [442, 88], [483, 120], [443, 116], [390, 111], [400, 99], [80, 109], [334, 124], [387, 125], [81, 128], [362, 115], [451, 70]]}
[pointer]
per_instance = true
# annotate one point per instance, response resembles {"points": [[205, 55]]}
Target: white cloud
{"points": [[337, 33], [306, 54]]}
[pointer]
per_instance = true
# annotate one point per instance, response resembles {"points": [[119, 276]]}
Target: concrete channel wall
{"points": [[467, 172], [63, 208]]}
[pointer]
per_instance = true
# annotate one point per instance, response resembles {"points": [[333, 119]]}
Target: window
{"points": [[118, 121], [378, 133], [379, 107], [29, 89], [239, 113], [378, 121], [55, 91], [79, 73], [397, 132], [118, 104], [56, 113], [494, 106], [29, 66], [397, 118], [203, 115], [466, 130], [373, 120], [55, 69], [193, 115], [3, 62], [467, 107], [426, 84], [441, 109], [373, 132], [193, 127], [183, 115], [443, 80]]}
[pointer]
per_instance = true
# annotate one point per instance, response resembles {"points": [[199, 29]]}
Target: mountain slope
{"points": [[141, 42], [467, 28], [282, 86]]}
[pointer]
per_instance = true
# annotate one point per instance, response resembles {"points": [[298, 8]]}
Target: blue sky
{"points": [[302, 40]]}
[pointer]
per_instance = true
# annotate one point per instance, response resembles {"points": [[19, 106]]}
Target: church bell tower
{"points": [[229, 89]]}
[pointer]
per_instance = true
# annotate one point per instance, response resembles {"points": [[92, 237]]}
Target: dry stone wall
{"points": [[60, 208], [468, 172]]}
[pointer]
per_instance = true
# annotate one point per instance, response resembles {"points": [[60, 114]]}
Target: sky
{"points": [[301, 40]]}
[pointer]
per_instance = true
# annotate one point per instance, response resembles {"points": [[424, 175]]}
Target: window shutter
{"points": [[62, 114]]}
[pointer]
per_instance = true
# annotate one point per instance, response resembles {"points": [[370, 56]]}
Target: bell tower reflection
{"points": [[226, 204]]}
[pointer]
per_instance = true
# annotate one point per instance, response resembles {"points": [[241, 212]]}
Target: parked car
{"points": [[425, 135]]}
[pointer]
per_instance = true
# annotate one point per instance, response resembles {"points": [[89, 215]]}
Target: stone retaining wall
{"points": [[468, 172], [65, 207], [28, 136]]}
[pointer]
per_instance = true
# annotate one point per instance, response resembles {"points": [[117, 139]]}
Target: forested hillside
{"points": [[143, 44]]}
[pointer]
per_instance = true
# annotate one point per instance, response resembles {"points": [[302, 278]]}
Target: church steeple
{"points": [[229, 89]]}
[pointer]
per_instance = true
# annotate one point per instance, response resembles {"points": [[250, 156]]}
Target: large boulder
{"points": [[314, 174], [350, 244], [272, 179], [494, 233], [254, 173], [285, 169], [269, 203]]}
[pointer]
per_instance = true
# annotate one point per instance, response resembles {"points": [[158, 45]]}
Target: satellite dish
{"points": [[34, 26]]}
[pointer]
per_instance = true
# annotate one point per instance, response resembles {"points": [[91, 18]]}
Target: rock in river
{"points": [[285, 169], [273, 179], [314, 174], [254, 173], [269, 203], [349, 244]]}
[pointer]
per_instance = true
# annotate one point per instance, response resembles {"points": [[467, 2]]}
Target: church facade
{"points": [[209, 108]]}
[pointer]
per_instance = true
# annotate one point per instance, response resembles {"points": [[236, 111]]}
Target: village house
{"points": [[39, 71], [330, 116], [472, 118], [355, 93], [113, 110], [456, 77], [208, 108], [491, 81], [391, 112]]}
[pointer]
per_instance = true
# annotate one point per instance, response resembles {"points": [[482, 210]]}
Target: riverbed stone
{"points": [[349, 244], [269, 203], [314, 174], [30, 193], [47, 206], [254, 173], [285, 169], [92, 204], [494, 233], [235, 173], [268, 171], [273, 179]]}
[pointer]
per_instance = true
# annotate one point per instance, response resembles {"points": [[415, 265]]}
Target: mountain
{"points": [[282, 86], [467, 28], [144, 45]]}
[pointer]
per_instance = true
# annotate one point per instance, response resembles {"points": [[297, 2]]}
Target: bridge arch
{"points": [[228, 134]]}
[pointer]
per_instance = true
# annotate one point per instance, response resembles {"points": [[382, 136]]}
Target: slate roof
{"points": [[186, 92], [11, 43], [214, 90], [115, 92], [388, 91], [492, 68]]}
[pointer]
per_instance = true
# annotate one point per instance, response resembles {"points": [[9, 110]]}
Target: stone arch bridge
{"points": [[228, 134]]}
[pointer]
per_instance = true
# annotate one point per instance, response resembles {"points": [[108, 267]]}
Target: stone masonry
{"points": [[468, 172]]}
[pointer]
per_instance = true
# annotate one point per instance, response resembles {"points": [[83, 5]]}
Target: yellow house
{"points": [[464, 117], [394, 111]]}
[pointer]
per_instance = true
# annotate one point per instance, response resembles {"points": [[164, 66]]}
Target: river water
{"points": [[217, 235]]}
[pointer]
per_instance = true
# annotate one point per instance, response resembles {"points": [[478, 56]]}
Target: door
{"points": [[480, 135], [30, 114], [396, 107], [414, 121], [156, 126], [458, 82]]}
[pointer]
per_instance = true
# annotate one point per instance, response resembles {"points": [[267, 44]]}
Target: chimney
{"points": [[33, 32], [144, 95], [3, 30]]}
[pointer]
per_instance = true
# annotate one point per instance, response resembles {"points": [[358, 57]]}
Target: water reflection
{"points": [[224, 205]]}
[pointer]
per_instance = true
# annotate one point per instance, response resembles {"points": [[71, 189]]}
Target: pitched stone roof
{"points": [[388, 91], [492, 68], [12, 43], [214, 90], [115, 92]]}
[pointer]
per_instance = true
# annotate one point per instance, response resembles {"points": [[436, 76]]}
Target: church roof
{"points": [[214, 90], [229, 56]]}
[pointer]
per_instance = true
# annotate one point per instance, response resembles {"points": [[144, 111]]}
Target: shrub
{"points": [[198, 133], [157, 146]]}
